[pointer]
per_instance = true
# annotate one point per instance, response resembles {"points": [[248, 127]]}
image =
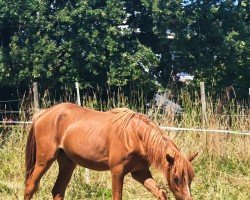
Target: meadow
{"points": [[222, 167]]}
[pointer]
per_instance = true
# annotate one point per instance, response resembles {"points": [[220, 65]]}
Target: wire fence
{"points": [[214, 114], [9, 111], [10, 120], [165, 128], [14, 100], [205, 130]]}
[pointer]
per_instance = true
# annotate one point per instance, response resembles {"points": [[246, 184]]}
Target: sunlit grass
{"points": [[222, 166]]}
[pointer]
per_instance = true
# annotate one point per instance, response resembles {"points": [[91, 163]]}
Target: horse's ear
{"points": [[170, 159], [190, 158]]}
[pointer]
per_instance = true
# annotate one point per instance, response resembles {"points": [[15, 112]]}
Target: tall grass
{"points": [[222, 166]]}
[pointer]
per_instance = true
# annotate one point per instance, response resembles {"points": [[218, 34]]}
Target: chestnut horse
{"points": [[119, 140]]}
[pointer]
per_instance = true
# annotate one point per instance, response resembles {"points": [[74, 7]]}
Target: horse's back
{"points": [[81, 132], [67, 110], [92, 139], [61, 117]]}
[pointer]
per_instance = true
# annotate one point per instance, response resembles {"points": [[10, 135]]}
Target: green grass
{"points": [[222, 167], [220, 173]]}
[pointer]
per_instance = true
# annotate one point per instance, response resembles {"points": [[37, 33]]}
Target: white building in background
{"points": [[184, 77]]}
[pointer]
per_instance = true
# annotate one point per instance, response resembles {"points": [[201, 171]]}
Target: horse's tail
{"points": [[30, 152]]}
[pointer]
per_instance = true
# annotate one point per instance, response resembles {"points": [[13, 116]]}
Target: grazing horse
{"points": [[119, 140]]}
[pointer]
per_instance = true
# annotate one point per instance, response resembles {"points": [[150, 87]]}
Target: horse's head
{"points": [[179, 175]]}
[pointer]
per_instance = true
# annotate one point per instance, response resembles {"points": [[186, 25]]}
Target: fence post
{"points": [[203, 102], [35, 92], [204, 115], [78, 94], [87, 172]]}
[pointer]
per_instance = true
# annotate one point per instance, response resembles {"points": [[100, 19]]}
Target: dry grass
{"points": [[222, 166]]}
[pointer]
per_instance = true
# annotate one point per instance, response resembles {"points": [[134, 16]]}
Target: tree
{"points": [[123, 43], [64, 41], [217, 43]]}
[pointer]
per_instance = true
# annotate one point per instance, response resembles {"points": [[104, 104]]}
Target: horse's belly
{"points": [[90, 164], [87, 150]]}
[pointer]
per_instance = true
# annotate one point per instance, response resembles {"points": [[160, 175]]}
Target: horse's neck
{"points": [[157, 146]]}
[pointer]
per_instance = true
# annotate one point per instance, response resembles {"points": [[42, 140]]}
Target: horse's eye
{"points": [[177, 180]]}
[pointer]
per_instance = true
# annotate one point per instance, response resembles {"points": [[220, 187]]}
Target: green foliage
{"points": [[119, 43], [216, 43]]}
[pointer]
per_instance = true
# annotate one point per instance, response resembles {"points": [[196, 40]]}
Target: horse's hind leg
{"points": [[44, 159], [66, 168]]}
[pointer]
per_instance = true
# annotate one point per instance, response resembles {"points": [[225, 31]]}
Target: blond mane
{"points": [[122, 116], [155, 140]]}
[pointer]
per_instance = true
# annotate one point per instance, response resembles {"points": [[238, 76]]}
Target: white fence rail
{"points": [[171, 128]]}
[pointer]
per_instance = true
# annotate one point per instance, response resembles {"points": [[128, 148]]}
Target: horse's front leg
{"points": [[145, 178], [117, 182]]}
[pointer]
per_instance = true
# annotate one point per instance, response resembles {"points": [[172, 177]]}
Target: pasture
{"points": [[222, 168]]}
